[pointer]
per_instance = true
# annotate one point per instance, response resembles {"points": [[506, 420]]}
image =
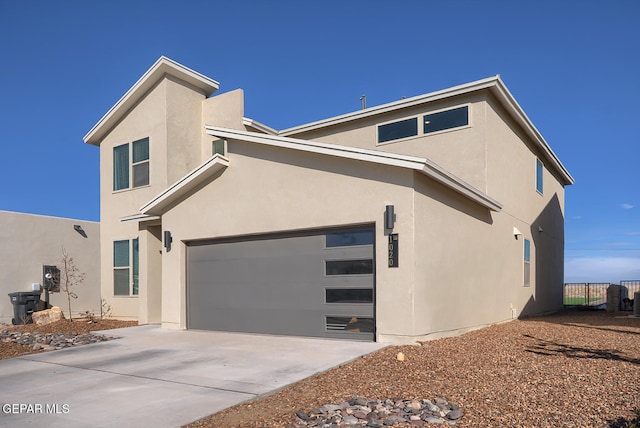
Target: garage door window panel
{"points": [[349, 238], [349, 267], [349, 295], [349, 324]]}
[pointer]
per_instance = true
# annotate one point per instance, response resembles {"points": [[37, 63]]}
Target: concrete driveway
{"points": [[160, 378]]}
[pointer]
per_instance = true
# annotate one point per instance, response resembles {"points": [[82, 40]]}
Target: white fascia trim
{"points": [[422, 165], [495, 84], [138, 218], [199, 175], [443, 176], [502, 93], [396, 105], [259, 126], [161, 67]]}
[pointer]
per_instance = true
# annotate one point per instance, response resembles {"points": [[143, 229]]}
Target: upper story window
{"points": [[397, 130], [446, 120], [433, 122], [128, 174], [218, 147], [539, 175]]}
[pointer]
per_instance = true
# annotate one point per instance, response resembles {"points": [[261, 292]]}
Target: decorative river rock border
{"points": [[360, 412], [51, 341]]}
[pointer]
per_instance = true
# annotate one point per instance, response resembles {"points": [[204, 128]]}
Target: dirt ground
{"points": [[77, 326], [577, 369], [574, 369]]}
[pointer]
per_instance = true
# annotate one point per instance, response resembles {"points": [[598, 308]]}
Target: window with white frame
{"points": [[527, 263], [539, 175], [431, 123], [131, 165], [126, 267], [218, 147]]}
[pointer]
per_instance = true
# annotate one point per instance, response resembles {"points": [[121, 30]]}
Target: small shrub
{"points": [[105, 309]]}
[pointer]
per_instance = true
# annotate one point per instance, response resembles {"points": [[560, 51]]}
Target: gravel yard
{"points": [[575, 369], [10, 349]]}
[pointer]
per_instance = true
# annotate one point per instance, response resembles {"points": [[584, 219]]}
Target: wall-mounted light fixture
{"points": [[167, 240], [389, 217], [80, 230], [540, 229], [516, 232]]}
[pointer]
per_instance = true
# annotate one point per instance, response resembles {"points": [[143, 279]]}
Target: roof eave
{"points": [[158, 205], [392, 106], [259, 126], [494, 84], [422, 165], [501, 92], [158, 70]]}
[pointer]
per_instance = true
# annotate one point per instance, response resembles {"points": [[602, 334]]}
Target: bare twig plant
{"points": [[105, 309], [70, 277]]}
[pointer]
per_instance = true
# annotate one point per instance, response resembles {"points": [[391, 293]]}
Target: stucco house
{"points": [[421, 218]]}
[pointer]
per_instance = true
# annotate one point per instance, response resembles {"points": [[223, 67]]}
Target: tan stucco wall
{"points": [[266, 190], [170, 112], [30, 241], [494, 155], [460, 151], [462, 275], [511, 166]]}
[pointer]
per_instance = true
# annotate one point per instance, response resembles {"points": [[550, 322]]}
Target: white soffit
{"points": [[162, 67], [422, 165], [181, 187]]}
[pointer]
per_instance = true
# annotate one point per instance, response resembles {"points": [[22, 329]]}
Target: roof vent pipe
{"points": [[363, 101]]}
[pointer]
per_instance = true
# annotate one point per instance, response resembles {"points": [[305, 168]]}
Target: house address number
{"points": [[393, 250]]}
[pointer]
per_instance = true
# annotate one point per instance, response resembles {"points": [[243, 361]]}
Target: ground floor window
{"points": [[126, 267], [527, 262]]}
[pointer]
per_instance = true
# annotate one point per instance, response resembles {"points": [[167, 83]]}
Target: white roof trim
{"points": [[259, 126], [161, 67], [494, 84], [181, 187], [501, 91], [422, 165], [395, 105], [137, 218]]}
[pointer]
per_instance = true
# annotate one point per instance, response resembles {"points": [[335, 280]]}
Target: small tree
{"points": [[70, 277]]}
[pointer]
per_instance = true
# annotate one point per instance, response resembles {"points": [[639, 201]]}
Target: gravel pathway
{"points": [[576, 369]]}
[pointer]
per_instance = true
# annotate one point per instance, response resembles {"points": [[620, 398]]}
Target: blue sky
{"points": [[572, 65]]}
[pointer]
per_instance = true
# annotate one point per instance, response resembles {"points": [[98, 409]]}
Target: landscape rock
{"points": [[51, 341], [47, 316], [379, 413], [455, 414]]}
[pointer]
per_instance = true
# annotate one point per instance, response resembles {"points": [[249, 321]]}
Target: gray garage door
{"points": [[319, 284]]}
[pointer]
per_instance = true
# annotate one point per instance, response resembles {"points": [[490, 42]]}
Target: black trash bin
{"points": [[24, 304]]}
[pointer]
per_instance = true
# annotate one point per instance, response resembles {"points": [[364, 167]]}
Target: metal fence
{"points": [[627, 289], [591, 294], [594, 294]]}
